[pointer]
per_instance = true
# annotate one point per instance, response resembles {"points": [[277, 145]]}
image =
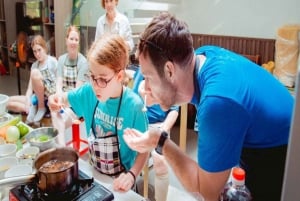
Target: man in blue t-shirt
{"points": [[243, 112], [165, 120]]}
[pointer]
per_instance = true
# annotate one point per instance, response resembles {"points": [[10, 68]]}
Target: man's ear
{"points": [[169, 70]]}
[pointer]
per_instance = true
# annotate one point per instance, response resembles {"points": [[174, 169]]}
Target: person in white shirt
{"points": [[114, 22]]}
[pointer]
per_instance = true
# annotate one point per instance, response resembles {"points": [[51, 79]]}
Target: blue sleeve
{"points": [[83, 102], [138, 77], [222, 128], [174, 107]]}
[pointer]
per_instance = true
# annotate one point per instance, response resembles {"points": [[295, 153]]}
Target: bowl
{"points": [[44, 138], [8, 150], [3, 103], [18, 170], [27, 155], [6, 163]]}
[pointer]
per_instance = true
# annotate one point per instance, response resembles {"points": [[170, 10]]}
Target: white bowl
{"points": [[3, 103], [8, 150], [18, 170], [6, 163], [27, 155]]}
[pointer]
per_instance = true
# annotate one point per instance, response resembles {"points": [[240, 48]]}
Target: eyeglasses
{"points": [[100, 82], [153, 45]]}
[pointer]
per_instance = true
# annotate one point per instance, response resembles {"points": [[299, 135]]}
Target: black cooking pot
{"points": [[59, 181]]}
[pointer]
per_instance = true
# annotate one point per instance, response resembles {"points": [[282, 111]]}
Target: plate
{"points": [[18, 170]]}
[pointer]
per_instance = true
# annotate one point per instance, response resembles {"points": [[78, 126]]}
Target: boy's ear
{"points": [[121, 75]]}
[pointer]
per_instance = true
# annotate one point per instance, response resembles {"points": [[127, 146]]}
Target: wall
{"points": [[255, 18], [90, 12]]}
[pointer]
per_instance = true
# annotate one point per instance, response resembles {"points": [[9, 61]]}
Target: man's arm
{"points": [[169, 121], [192, 177]]}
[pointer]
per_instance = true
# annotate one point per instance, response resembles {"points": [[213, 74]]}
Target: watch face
{"points": [[158, 150]]}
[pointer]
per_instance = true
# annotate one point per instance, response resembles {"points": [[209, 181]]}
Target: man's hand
{"points": [[141, 142]]}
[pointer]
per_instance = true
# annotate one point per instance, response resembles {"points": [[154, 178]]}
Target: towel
{"points": [[286, 54]]}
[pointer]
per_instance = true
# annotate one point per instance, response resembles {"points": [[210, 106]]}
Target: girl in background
{"points": [[72, 66], [71, 70], [42, 83]]}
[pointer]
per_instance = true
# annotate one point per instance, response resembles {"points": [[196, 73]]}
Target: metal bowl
{"points": [[38, 137]]}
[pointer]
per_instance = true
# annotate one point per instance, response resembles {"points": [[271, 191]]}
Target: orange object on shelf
{"points": [[76, 140]]}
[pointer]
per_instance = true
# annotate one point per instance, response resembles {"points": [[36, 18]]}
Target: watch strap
{"points": [[163, 136]]}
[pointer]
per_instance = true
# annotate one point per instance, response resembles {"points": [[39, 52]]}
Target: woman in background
{"points": [[42, 83], [114, 22], [72, 66], [71, 70]]}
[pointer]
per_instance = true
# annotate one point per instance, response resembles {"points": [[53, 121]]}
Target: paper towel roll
{"points": [[286, 54]]}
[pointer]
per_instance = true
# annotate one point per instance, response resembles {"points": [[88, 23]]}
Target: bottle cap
{"points": [[76, 121], [238, 173], [238, 176]]}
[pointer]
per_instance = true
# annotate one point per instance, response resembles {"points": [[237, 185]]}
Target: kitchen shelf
{"points": [[3, 38]]}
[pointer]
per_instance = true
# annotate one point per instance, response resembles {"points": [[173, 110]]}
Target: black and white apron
{"points": [[69, 75], [49, 81], [104, 150]]}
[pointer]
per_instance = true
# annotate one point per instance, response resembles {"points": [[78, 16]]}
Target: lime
{"points": [[23, 129]]}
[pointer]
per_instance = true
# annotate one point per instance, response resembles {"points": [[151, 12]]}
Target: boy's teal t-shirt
{"points": [[83, 102]]}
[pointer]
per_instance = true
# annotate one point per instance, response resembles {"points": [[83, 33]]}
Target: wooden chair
{"points": [[182, 145], [254, 58]]}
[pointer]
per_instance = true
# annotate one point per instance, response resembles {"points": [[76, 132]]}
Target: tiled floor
{"points": [[9, 86]]}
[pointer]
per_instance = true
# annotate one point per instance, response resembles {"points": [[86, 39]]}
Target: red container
{"points": [[76, 134]]}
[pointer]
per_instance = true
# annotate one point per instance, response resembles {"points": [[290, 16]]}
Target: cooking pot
{"points": [[51, 182], [61, 180]]}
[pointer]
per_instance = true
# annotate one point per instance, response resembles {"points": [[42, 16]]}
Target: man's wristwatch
{"points": [[163, 136]]}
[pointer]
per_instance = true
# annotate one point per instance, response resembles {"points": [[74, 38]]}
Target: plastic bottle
{"points": [[63, 114], [235, 189]]}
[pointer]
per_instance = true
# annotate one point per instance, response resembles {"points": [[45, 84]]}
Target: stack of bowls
{"points": [[6, 163], [8, 150], [27, 155], [3, 103]]}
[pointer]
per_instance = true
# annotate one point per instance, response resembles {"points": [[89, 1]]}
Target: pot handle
{"points": [[17, 179]]}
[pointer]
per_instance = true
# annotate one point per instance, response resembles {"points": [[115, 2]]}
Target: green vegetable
{"points": [[19, 144], [43, 138], [23, 129]]}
